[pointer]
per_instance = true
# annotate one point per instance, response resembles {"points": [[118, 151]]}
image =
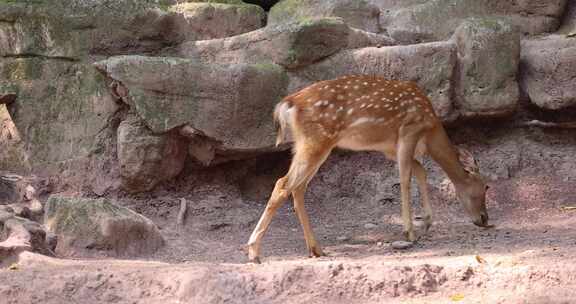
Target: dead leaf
{"points": [[480, 259], [457, 297], [13, 267], [567, 208]]}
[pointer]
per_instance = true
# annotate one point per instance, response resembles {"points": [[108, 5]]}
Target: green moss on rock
{"points": [[86, 224]]}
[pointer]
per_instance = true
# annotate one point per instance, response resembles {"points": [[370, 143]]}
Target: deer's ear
{"points": [[467, 160]]}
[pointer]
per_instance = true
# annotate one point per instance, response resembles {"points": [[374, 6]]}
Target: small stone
{"points": [[401, 244], [370, 226], [29, 193], [418, 223]]}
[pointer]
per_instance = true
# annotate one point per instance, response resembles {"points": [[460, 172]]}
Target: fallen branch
{"points": [[182, 213], [543, 124]]}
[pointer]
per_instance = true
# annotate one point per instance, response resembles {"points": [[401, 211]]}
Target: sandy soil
{"points": [[528, 257]]}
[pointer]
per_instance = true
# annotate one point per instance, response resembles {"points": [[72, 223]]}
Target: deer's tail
{"points": [[282, 116]]}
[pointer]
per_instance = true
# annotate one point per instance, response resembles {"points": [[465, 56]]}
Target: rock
{"points": [[11, 189], [29, 192], [13, 156], [488, 57], [431, 65], [548, 68], [290, 45], [229, 103], [356, 13], [72, 31], [19, 233], [400, 245], [568, 25], [62, 108], [145, 158], [361, 39], [203, 21], [433, 20], [87, 227], [370, 226]]}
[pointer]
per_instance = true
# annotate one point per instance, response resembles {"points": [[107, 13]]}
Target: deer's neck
{"points": [[443, 152]]}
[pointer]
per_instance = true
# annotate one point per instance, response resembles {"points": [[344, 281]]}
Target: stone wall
{"points": [[202, 77]]}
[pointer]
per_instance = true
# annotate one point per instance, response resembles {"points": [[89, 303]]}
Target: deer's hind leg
{"points": [[307, 159], [420, 174]]}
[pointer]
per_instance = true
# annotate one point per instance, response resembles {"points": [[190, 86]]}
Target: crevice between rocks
{"points": [[30, 56]]}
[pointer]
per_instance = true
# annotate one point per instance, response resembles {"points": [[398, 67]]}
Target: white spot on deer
{"points": [[361, 120], [356, 87], [350, 111]]}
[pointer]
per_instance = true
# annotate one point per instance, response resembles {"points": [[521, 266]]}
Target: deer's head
{"points": [[472, 193]]}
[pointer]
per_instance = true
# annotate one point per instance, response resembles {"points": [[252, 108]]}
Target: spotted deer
{"points": [[367, 113]]}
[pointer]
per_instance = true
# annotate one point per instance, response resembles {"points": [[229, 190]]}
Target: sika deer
{"points": [[367, 113]]}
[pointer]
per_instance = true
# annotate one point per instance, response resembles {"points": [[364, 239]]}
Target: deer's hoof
{"points": [[410, 236], [254, 260], [316, 252]]}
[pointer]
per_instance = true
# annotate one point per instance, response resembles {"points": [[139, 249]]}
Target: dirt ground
{"points": [[353, 203]]}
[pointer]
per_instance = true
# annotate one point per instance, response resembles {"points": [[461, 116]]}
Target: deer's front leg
{"points": [[420, 174], [279, 195]]}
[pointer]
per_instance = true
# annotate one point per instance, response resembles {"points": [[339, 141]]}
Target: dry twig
{"points": [[182, 213]]}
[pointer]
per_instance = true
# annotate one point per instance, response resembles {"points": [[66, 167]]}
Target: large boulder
{"points": [[12, 188], [488, 57], [18, 234], [145, 158], [230, 103], [437, 19], [356, 13], [204, 21], [291, 46], [13, 156], [75, 29], [62, 107], [88, 227], [568, 25], [548, 68], [431, 65]]}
